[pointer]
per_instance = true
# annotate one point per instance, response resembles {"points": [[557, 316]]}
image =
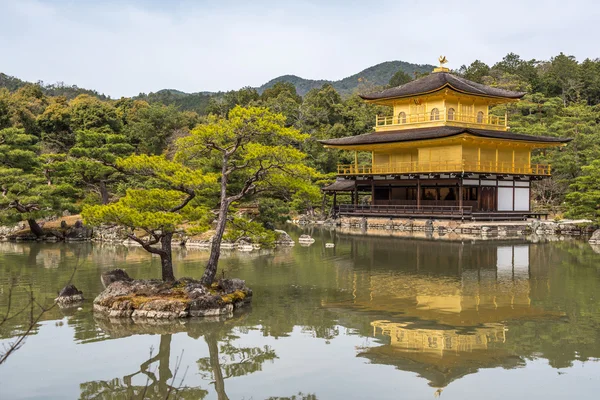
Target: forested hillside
{"points": [[377, 75], [55, 89], [196, 102], [58, 152]]}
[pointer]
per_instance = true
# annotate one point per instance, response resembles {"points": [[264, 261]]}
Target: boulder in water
{"points": [[78, 232], [283, 238], [306, 239], [231, 285], [113, 276], [69, 296], [595, 238]]}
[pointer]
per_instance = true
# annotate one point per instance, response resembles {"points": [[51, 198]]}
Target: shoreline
{"points": [[58, 230], [438, 229]]}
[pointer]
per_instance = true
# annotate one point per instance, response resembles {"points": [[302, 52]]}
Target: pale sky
{"points": [[124, 47]]}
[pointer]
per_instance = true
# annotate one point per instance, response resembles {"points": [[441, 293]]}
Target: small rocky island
{"points": [[155, 299]]}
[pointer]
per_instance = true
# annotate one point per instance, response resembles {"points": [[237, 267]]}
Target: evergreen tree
{"points": [[399, 79], [584, 199], [27, 186], [253, 153]]}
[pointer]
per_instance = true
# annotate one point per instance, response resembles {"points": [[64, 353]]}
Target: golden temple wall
{"points": [[484, 154], [451, 153]]}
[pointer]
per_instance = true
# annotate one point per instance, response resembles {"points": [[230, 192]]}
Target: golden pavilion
{"points": [[442, 153]]}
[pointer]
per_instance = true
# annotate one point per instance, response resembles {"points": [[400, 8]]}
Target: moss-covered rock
{"points": [[168, 300]]}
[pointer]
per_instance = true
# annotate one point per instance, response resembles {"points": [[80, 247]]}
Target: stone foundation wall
{"points": [[378, 225]]}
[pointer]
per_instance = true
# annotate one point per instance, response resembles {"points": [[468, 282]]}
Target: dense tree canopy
{"points": [[399, 78], [584, 198], [29, 189], [152, 214], [253, 152]]}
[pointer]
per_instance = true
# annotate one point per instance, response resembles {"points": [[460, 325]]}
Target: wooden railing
{"points": [[445, 166], [454, 211], [425, 203], [443, 115]]}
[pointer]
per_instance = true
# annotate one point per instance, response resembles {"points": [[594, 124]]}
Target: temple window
{"points": [[470, 193], [480, 117], [451, 112], [435, 115], [402, 117]]}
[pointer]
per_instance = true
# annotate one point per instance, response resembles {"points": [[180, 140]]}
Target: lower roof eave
{"points": [[437, 175], [406, 136]]}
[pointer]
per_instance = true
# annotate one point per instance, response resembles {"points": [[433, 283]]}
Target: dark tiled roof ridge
{"points": [[340, 185], [482, 87], [408, 135], [437, 81]]}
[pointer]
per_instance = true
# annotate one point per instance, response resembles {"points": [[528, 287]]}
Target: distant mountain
{"points": [[55, 89], [377, 75], [10, 82]]}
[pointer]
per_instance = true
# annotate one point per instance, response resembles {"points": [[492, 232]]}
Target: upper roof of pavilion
{"points": [[437, 81]]}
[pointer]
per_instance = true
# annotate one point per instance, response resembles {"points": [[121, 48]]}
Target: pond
{"points": [[380, 318]]}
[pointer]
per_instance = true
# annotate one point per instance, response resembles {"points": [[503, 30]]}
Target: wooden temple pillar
{"points": [[418, 192], [372, 191], [460, 193]]}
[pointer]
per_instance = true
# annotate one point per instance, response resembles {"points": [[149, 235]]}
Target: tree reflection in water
{"points": [[229, 361], [225, 361], [161, 385]]}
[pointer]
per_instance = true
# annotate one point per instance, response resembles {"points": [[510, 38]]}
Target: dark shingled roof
{"points": [[407, 135], [341, 185], [437, 81]]}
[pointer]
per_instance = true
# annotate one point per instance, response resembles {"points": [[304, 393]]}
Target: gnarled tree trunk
{"points": [[35, 228], [164, 252], [166, 258], [215, 249], [104, 195]]}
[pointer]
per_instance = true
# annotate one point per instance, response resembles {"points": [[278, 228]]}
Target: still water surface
{"points": [[372, 318]]}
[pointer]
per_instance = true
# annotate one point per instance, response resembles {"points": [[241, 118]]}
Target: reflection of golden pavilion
{"points": [[442, 311], [441, 354], [496, 291], [439, 341]]}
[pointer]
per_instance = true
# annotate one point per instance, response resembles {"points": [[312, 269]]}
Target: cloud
{"points": [[127, 47]]}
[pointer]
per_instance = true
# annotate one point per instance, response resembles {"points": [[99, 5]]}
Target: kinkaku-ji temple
{"points": [[441, 154]]}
